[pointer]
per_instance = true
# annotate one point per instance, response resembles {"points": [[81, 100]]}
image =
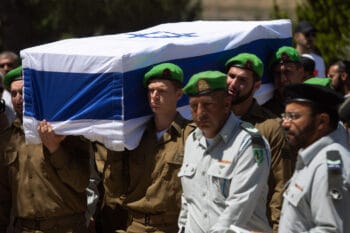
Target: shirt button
{"points": [[29, 157], [203, 173], [203, 194], [205, 215]]}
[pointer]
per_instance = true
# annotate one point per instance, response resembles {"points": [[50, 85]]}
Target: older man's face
{"points": [[6, 64], [17, 96], [210, 112]]}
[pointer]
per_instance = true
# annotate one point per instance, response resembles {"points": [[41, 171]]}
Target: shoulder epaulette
{"points": [[257, 139], [335, 168]]}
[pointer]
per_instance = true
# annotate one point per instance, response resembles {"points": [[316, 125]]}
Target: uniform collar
{"points": [[308, 154], [175, 128]]}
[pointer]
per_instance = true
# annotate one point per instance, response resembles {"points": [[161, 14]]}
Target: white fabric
{"points": [[131, 51], [320, 66]]}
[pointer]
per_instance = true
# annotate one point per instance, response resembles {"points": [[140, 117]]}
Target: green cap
{"points": [[168, 71], [286, 54], [247, 61], [12, 75], [205, 82], [325, 82]]}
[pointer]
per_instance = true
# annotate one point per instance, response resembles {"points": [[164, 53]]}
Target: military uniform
{"points": [[47, 190], [269, 125], [275, 105], [225, 183], [318, 196], [145, 181]]}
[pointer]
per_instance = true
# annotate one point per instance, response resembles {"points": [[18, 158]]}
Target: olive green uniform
{"points": [[145, 180], [275, 105], [269, 126], [47, 190]]}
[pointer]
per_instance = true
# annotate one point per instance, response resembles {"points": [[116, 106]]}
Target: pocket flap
{"points": [[187, 169], [10, 157], [221, 170], [294, 193]]}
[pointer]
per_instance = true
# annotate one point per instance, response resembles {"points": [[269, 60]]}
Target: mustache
{"points": [[202, 117]]}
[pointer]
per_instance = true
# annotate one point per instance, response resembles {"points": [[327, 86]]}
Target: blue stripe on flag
{"points": [[62, 96]]}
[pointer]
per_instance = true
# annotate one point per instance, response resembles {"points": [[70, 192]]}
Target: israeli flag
{"points": [[93, 86]]}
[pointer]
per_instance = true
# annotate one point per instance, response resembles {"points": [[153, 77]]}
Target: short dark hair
{"points": [[343, 66], [331, 111]]}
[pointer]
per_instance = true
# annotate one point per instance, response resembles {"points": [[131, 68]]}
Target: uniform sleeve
{"points": [[115, 179], [247, 185], [71, 161], [183, 214], [326, 218], [281, 172]]}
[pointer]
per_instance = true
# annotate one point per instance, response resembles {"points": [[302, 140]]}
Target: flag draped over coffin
{"points": [[93, 86]]}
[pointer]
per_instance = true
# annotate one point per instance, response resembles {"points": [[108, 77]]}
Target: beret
{"points": [[247, 61], [320, 95], [205, 82], [12, 75], [325, 82], [168, 71], [286, 54]]}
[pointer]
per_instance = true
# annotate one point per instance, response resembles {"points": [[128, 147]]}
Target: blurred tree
{"points": [[25, 23], [331, 19]]}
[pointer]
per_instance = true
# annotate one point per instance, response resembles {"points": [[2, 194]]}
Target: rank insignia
{"points": [[202, 85], [259, 155]]}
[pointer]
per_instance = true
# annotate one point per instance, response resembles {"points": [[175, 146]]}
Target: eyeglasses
{"points": [[9, 64], [292, 116]]}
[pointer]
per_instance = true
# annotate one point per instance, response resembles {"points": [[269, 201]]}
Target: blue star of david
{"points": [[161, 34]]}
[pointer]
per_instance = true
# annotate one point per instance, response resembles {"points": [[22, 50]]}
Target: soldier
{"points": [[244, 73], [226, 163], [8, 61], [317, 197], [339, 72], [286, 68], [144, 180], [46, 182]]}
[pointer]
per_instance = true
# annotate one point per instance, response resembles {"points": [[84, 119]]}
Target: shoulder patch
{"points": [[259, 155]]}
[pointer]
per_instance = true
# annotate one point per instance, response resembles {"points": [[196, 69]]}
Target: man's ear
{"points": [[257, 85], [179, 94], [344, 76], [323, 121]]}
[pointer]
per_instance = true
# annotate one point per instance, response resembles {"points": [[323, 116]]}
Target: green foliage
{"points": [[26, 23], [277, 13], [331, 19]]}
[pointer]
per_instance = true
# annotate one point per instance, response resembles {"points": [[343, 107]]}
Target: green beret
{"points": [[325, 82], [205, 82], [247, 61], [168, 71], [286, 54], [12, 75], [320, 95]]}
